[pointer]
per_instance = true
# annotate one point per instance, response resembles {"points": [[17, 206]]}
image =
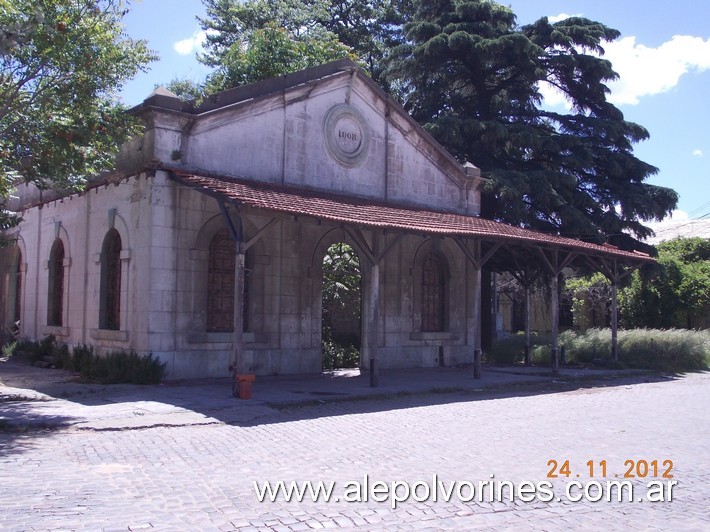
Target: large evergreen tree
{"points": [[472, 78]]}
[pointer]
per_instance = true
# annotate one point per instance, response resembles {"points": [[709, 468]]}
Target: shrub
{"points": [[116, 367], [9, 349], [119, 367], [511, 349], [337, 356], [656, 349], [673, 350], [590, 346], [665, 350], [82, 359], [541, 355], [46, 350], [25, 348]]}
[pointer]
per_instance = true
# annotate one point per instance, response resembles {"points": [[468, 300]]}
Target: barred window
{"points": [[55, 303], [220, 285], [433, 294], [110, 303]]}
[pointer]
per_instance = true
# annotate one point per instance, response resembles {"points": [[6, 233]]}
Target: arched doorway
{"points": [[342, 308]]}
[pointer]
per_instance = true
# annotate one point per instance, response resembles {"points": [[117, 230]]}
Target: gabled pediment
{"points": [[329, 128]]}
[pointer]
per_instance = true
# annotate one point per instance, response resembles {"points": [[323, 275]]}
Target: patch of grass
{"points": [[673, 350], [666, 350]]}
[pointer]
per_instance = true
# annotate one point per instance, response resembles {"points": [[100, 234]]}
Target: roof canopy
{"points": [[367, 213]]}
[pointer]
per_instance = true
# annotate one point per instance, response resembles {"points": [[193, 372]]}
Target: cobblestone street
{"points": [[201, 477]]}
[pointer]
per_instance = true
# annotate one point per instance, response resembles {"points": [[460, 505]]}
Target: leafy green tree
{"points": [[369, 29], [341, 286], [186, 89], [472, 77], [341, 306], [62, 63], [273, 51], [676, 293], [591, 295], [687, 250]]}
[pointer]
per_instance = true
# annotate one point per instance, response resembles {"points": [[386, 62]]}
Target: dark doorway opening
{"points": [[342, 308]]}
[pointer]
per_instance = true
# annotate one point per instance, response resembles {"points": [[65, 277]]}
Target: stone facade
{"points": [[330, 130]]}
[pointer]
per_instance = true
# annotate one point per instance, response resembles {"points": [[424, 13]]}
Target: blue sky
{"points": [[663, 58]]}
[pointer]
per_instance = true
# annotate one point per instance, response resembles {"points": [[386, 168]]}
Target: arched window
{"points": [[433, 294], [110, 303], [220, 284], [55, 302]]}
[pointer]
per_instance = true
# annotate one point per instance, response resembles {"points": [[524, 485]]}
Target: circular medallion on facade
{"points": [[347, 137]]}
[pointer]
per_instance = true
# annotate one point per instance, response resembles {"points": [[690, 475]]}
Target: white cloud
{"points": [[679, 224], [675, 217], [561, 16], [551, 96], [698, 153], [645, 71], [668, 224], [191, 44]]}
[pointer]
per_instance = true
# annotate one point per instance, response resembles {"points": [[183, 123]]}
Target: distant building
{"points": [[670, 230]]}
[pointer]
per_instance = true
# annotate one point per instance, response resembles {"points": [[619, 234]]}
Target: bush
{"points": [[674, 350], [588, 347], [45, 352], [665, 350], [9, 349], [27, 350], [656, 349], [511, 349], [336, 356], [121, 367], [116, 367], [82, 359], [541, 355]]}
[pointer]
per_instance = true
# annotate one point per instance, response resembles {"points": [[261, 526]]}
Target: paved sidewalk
{"points": [[194, 462], [38, 398]]}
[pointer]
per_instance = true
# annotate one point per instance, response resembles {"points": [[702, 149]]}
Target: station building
{"points": [[243, 195]]}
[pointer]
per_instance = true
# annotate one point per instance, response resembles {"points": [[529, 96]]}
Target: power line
{"points": [[703, 206]]}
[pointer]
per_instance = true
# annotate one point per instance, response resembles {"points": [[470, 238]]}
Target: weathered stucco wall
{"points": [[294, 137], [335, 134]]}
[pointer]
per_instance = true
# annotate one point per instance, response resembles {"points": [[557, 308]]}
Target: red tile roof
{"points": [[371, 213]]}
